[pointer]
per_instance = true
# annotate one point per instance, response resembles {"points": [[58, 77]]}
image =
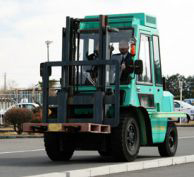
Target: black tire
{"points": [[188, 118], [58, 147], [169, 146], [126, 140]]}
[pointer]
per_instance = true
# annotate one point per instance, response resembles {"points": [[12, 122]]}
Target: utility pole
{"points": [[5, 82], [47, 44]]}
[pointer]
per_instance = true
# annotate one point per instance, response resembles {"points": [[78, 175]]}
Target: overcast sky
{"points": [[26, 24]]}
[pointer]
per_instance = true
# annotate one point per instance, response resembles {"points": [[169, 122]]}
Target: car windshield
{"points": [[190, 101], [88, 50]]}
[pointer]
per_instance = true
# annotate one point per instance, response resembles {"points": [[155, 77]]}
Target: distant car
{"points": [[30, 106], [1, 116], [190, 101], [181, 106]]}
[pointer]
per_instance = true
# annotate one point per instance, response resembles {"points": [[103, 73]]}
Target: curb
{"points": [[20, 136], [123, 167], [190, 124], [184, 125], [6, 131]]}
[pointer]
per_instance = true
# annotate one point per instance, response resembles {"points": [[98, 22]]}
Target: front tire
{"points": [[58, 146], [169, 146], [126, 139], [188, 119]]}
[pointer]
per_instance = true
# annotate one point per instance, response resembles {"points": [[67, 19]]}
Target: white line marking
{"points": [[186, 137], [12, 152]]}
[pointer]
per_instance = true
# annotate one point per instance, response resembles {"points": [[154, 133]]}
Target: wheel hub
{"points": [[172, 140], [131, 136]]}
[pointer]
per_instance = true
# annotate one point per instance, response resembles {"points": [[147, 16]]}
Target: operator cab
{"points": [[89, 50]]}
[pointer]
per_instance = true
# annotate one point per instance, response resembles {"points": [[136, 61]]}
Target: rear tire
{"points": [[169, 146], [58, 146], [126, 139]]}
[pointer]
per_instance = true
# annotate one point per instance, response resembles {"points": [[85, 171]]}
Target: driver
{"points": [[124, 58]]}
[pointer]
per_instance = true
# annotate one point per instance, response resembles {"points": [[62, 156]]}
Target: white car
{"points": [[30, 106], [1, 116], [181, 106], [190, 101]]}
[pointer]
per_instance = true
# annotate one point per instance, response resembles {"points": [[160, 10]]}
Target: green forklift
{"points": [[93, 108]]}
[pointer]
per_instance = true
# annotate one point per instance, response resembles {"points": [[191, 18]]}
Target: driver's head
{"points": [[123, 47]]}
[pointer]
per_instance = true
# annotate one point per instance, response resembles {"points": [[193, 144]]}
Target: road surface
{"points": [[25, 157]]}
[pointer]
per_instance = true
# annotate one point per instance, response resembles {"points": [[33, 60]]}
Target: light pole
{"points": [[181, 89], [181, 93], [47, 44]]}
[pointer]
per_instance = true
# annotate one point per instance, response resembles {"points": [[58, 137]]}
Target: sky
{"points": [[25, 25]]}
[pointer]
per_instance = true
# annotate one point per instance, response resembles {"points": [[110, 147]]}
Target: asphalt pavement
{"points": [[25, 157]]}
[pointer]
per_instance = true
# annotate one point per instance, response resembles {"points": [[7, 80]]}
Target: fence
{"points": [[27, 96]]}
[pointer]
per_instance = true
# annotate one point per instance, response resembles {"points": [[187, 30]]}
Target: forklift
{"points": [[92, 108]]}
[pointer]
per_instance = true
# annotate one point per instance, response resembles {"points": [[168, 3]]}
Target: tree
{"points": [[172, 84], [52, 83], [18, 116], [52, 86], [190, 89], [12, 84]]}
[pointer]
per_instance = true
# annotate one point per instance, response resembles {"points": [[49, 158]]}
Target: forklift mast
{"points": [[70, 97]]}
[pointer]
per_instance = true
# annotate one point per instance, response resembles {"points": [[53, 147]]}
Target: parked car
{"points": [[181, 106], [190, 101], [30, 106], [34, 107], [1, 116]]}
